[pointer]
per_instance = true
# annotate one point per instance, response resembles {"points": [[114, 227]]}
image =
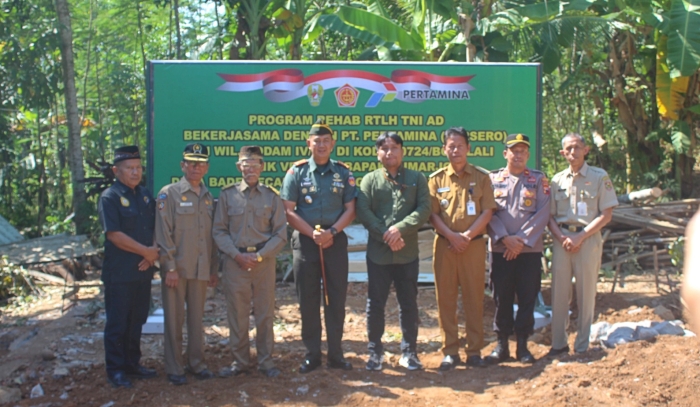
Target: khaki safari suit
{"points": [[450, 194], [578, 199], [183, 234], [250, 219]]}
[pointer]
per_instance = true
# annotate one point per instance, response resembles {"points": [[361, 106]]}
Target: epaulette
{"points": [[437, 172], [301, 162], [233, 184], [271, 188], [482, 169], [495, 171], [342, 164]]}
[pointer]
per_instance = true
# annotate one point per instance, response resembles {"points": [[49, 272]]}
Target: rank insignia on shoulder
{"points": [[301, 162], [271, 188], [124, 202], [437, 172], [342, 164]]}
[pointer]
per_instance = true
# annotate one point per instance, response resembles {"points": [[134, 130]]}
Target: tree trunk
{"points": [[178, 36], [75, 153]]}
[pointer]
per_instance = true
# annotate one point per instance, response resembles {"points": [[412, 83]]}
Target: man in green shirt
{"points": [[393, 203]]}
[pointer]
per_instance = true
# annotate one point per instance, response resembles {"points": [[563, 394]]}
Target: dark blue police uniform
{"points": [[127, 290]]}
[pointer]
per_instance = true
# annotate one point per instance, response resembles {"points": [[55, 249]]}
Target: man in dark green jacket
{"points": [[393, 203]]}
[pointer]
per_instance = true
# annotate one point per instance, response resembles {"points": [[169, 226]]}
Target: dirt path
{"points": [[665, 372]]}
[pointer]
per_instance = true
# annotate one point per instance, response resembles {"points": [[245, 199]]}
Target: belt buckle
{"points": [[572, 228], [251, 249]]}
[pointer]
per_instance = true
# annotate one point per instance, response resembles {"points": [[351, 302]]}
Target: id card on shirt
{"points": [[582, 209], [471, 208]]}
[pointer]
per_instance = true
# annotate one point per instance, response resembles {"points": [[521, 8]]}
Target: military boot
{"points": [[523, 355], [500, 352]]}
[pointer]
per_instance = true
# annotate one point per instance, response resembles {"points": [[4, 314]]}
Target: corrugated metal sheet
{"points": [[8, 233]]}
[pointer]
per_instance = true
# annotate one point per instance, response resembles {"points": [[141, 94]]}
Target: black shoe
{"points": [[140, 372], [271, 372], [339, 364], [118, 379], [309, 365], [500, 353], [476, 361], [204, 375], [449, 362], [229, 371], [522, 353], [557, 352], [177, 379]]}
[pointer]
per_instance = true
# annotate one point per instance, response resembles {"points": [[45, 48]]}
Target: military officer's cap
{"points": [[515, 139], [196, 152], [320, 128], [126, 153], [250, 153]]}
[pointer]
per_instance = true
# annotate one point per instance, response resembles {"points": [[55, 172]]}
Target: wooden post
{"points": [[656, 268]]}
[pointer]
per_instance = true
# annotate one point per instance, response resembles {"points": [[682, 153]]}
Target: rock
{"points": [[302, 390], [9, 395], [37, 391], [664, 313], [47, 355], [110, 404], [64, 396], [60, 372]]}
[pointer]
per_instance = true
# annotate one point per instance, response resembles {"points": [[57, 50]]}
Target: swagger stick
{"points": [[323, 269]]}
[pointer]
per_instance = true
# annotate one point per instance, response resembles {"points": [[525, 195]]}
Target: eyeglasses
{"points": [[251, 166], [195, 164]]}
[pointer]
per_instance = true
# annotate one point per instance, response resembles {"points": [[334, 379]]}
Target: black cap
{"points": [[320, 128], [196, 152], [514, 139], [250, 153], [126, 153]]}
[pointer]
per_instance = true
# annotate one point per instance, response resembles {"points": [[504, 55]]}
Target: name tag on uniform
{"points": [[186, 204], [471, 208], [443, 189], [582, 209]]}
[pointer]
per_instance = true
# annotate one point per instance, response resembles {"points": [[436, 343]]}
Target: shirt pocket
{"points": [[128, 218], [236, 215], [185, 217], [500, 195], [262, 218], [562, 200], [589, 195], [528, 200], [408, 196]]}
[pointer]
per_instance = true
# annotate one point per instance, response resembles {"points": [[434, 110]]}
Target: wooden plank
{"points": [[48, 249]]}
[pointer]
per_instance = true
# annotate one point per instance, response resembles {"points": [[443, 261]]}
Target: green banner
{"points": [[227, 105]]}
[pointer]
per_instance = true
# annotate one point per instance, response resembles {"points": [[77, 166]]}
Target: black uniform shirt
{"points": [[132, 212]]}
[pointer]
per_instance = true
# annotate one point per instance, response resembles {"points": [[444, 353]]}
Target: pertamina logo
{"points": [[346, 96]]}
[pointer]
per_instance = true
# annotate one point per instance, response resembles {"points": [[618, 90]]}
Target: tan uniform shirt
{"points": [[246, 217], [581, 198], [450, 194], [183, 231]]}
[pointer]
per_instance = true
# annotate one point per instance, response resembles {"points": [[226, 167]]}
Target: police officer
{"points": [[516, 228], [462, 205], [393, 204], [127, 215], [189, 262], [584, 198], [320, 191], [250, 228]]}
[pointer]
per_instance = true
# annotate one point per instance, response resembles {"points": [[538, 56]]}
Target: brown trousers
{"points": [[194, 293], [452, 272], [242, 286]]}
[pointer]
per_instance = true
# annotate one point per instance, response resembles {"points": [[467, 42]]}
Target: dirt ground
{"points": [[663, 372]]}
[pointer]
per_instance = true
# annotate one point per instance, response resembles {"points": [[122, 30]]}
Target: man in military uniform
{"points": [[189, 262], [320, 191], [516, 228], [584, 198], [127, 215], [393, 204], [462, 205], [250, 228]]}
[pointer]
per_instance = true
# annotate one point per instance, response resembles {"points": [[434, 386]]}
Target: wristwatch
{"points": [[260, 259], [333, 230]]}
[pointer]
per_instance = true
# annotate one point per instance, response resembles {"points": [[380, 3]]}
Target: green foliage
{"points": [[676, 250], [14, 282]]}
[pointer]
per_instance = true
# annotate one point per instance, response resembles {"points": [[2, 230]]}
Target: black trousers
{"points": [[405, 279], [307, 276], [522, 276], [126, 306]]}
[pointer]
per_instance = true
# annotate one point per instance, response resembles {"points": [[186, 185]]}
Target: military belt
{"points": [[570, 228]]}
